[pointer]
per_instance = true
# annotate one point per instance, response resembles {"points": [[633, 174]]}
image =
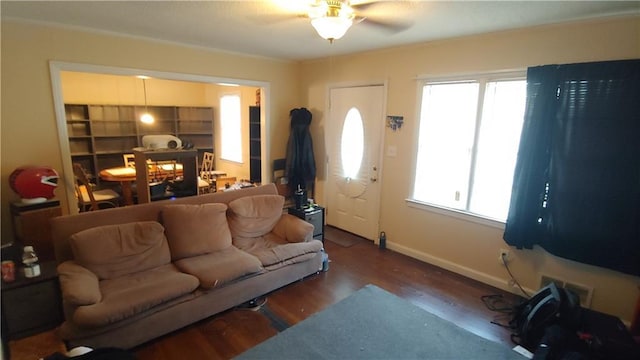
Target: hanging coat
{"points": [[301, 166]]}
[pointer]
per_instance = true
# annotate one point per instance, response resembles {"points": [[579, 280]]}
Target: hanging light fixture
{"points": [[331, 18], [146, 117]]}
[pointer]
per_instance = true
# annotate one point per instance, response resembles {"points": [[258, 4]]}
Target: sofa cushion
{"points": [[196, 229], [220, 267], [132, 294], [293, 229], [254, 216], [275, 253], [78, 284], [112, 251]]}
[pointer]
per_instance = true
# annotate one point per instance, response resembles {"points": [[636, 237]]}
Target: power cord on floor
{"points": [[499, 304], [506, 265]]}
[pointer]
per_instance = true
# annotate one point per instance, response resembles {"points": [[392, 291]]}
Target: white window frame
{"points": [[236, 157], [483, 79]]}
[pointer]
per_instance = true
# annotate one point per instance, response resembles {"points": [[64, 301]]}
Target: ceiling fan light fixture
{"points": [[331, 28], [331, 18]]}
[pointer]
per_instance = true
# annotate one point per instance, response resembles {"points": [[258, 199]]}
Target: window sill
{"points": [[458, 214], [238, 162]]}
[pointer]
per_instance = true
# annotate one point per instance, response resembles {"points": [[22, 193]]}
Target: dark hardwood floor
{"points": [[448, 295]]}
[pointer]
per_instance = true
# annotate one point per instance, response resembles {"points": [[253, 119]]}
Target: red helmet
{"points": [[33, 182]]}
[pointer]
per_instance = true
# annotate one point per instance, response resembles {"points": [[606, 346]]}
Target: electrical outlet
{"points": [[503, 256]]}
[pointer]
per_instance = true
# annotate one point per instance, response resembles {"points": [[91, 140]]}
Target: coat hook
{"points": [[395, 122]]}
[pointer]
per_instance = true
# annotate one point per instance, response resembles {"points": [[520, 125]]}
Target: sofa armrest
{"points": [[293, 229], [79, 285]]}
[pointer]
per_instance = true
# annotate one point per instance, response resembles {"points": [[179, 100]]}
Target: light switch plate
{"points": [[392, 151]]}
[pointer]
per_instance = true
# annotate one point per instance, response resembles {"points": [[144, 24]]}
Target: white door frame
{"points": [[56, 67], [384, 84]]}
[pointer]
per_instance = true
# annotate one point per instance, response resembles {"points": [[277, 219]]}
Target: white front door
{"points": [[356, 120]]}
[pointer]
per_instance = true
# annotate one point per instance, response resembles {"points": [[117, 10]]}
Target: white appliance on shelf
{"points": [[159, 142]]}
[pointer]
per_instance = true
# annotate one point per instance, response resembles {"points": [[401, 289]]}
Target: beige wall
{"points": [[459, 245], [29, 133], [92, 88]]}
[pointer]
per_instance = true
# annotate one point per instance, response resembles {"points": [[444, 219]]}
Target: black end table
{"points": [[313, 215], [31, 305]]}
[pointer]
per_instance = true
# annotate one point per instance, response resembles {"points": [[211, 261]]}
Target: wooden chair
{"points": [[279, 178], [88, 199], [205, 178], [129, 160]]}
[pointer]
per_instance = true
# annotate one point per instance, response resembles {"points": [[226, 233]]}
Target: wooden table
{"points": [[124, 175], [127, 175]]}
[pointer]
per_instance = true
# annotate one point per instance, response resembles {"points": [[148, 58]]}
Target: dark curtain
{"points": [[576, 188], [300, 166]]}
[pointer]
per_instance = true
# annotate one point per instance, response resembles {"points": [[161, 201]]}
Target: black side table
{"points": [[313, 215], [31, 305]]}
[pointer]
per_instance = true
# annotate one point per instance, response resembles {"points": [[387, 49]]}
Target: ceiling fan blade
{"points": [[272, 19], [382, 14], [392, 26], [362, 6]]}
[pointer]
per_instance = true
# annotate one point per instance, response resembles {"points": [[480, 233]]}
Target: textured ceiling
{"points": [[267, 28]]}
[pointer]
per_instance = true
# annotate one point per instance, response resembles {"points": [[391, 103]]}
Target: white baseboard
{"points": [[496, 282]]}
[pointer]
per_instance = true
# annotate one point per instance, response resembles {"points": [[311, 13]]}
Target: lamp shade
{"points": [[331, 28], [147, 118]]}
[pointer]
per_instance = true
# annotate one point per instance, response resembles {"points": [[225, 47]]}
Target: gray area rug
{"points": [[375, 324]]}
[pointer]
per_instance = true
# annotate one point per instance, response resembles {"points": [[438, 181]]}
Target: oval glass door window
{"points": [[352, 143]]}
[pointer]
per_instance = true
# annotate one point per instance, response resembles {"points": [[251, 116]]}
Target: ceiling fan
{"points": [[332, 18]]}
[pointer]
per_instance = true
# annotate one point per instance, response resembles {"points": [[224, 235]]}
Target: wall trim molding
{"points": [[497, 282]]}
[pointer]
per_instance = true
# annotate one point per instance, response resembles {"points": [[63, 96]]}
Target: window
{"points": [[576, 181], [352, 144], [230, 128], [468, 142]]}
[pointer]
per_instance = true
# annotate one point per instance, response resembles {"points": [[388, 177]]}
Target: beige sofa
{"points": [[131, 274]]}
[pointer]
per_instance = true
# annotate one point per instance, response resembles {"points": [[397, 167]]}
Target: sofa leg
{"points": [[254, 304]]}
